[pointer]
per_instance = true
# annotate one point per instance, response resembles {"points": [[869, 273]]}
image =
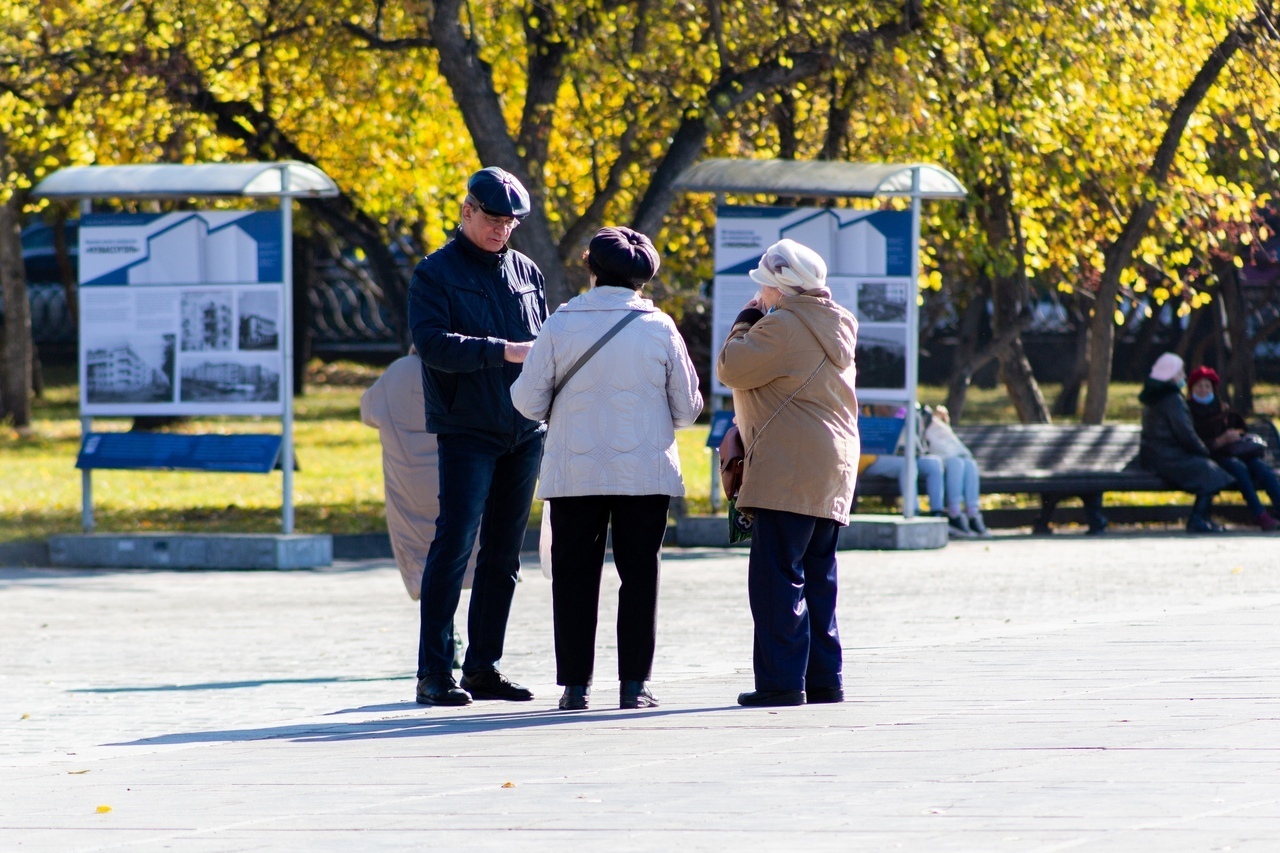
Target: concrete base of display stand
{"points": [[864, 533], [192, 551]]}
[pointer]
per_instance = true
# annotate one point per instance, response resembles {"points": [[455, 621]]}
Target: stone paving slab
{"points": [[1013, 694]]}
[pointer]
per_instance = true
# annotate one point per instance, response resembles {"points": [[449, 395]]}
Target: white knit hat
{"points": [[793, 269], [1166, 367]]}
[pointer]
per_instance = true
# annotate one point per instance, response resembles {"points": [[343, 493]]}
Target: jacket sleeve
{"points": [[531, 393], [439, 347], [750, 357], [1181, 427], [683, 397]]}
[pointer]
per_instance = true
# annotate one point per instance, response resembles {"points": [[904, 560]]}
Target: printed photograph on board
{"points": [[137, 369], [882, 357], [207, 320], [259, 319], [230, 379], [882, 302]]}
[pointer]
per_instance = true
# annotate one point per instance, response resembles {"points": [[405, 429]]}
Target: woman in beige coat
{"points": [[789, 361]]}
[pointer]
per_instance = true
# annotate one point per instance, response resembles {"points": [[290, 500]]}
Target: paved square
{"points": [[1020, 694]]}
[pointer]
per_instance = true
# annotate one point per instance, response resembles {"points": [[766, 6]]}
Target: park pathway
{"points": [[1017, 694]]}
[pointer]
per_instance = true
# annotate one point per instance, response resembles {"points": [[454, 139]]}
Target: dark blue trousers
{"points": [[791, 581], [1249, 474], [488, 490]]}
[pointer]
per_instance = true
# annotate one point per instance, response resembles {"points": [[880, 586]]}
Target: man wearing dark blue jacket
{"points": [[475, 307]]}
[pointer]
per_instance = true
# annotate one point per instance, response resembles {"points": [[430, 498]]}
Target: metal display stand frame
{"points": [[832, 179], [284, 180]]}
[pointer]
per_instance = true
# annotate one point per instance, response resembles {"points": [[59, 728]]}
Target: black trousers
{"points": [[578, 529], [791, 582]]}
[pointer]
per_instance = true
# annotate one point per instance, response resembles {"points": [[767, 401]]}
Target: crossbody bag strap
{"points": [[783, 406], [595, 348]]}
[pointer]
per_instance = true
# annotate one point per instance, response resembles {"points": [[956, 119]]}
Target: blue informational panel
{"points": [[879, 435], [720, 423], [252, 454], [869, 262], [182, 313]]}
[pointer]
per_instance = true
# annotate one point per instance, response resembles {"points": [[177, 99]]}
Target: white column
{"points": [[286, 333], [913, 350], [86, 424]]}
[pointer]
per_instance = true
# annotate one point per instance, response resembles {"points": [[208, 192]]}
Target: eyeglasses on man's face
{"points": [[497, 223]]}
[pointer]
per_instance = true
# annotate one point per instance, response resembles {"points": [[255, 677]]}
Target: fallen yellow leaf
{"points": [[508, 784], [103, 809]]}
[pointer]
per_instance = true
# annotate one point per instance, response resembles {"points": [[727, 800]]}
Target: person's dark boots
{"points": [[823, 695], [771, 698], [491, 684], [575, 697], [1267, 521], [441, 690], [1199, 522], [635, 694]]}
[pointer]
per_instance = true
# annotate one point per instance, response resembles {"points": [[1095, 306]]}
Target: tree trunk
{"points": [[1241, 371], [962, 362], [1068, 402], [1020, 381], [1009, 296], [1119, 254], [16, 384]]}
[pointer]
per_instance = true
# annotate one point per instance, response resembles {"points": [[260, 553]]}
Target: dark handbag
{"points": [[1247, 446], [732, 457]]}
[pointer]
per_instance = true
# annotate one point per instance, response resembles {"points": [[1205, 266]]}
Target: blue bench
{"points": [[163, 451]]}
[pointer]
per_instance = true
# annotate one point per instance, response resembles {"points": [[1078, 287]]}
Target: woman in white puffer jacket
{"points": [[610, 455]]}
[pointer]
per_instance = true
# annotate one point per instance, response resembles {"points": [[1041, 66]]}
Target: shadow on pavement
{"points": [[436, 724], [231, 685]]}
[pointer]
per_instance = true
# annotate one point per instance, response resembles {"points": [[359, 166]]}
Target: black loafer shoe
{"points": [[823, 695], [574, 698], [635, 694], [441, 690], [771, 698], [494, 685]]}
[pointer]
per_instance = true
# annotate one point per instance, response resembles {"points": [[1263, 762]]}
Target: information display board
{"points": [[181, 313], [869, 263]]}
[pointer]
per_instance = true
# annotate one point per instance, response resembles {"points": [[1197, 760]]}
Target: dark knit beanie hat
{"points": [[621, 257]]}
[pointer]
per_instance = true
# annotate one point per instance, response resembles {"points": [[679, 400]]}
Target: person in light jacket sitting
{"points": [[610, 456]]}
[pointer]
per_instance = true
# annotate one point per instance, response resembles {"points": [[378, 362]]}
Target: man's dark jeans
{"points": [[1250, 474], [484, 488]]}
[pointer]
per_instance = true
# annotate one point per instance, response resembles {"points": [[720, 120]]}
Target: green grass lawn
{"points": [[339, 486]]}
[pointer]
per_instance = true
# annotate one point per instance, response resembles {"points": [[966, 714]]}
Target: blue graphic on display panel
{"points": [[264, 228], [895, 225]]}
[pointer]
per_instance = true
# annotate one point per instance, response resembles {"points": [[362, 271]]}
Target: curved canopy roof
{"points": [[172, 180], [819, 178]]}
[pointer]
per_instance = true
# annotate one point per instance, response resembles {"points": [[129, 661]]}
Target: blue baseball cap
{"points": [[499, 193]]}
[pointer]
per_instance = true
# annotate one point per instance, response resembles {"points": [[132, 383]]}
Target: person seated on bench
{"points": [[1169, 444], [929, 467], [1223, 432], [960, 476]]}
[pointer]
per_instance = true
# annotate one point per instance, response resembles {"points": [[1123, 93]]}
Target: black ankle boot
{"points": [[574, 698], [635, 694]]}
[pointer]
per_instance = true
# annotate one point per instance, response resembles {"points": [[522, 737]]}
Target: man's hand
{"points": [[517, 352], [1228, 437]]}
